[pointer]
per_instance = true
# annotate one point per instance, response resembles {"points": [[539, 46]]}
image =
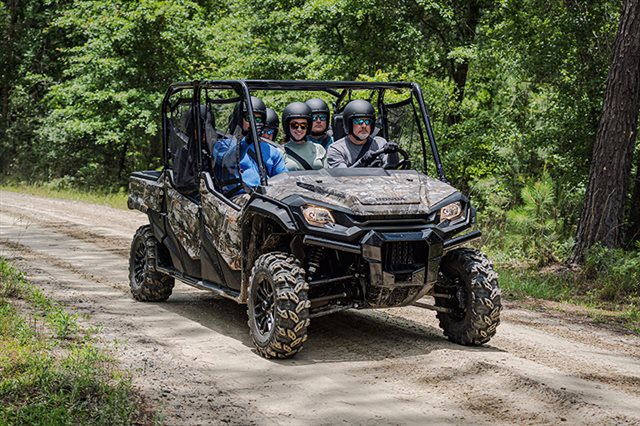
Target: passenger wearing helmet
{"points": [[270, 129], [358, 147], [232, 158], [300, 154], [320, 116]]}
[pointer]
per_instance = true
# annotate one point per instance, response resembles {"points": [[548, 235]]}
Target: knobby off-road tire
{"points": [[468, 277], [278, 305], [147, 285]]}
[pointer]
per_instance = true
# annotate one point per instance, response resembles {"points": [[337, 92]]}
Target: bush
{"points": [[616, 272]]}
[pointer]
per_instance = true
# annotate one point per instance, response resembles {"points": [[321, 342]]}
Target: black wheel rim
{"points": [[459, 291], [455, 287], [263, 305], [139, 263]]}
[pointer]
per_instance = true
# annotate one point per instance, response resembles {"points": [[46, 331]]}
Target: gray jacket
{"points": [[343, 152]]}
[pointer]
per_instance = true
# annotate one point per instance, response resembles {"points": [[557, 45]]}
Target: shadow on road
{"points": [[366, 335]]}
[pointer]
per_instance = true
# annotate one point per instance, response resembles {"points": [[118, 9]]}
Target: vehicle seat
{"points": [[338, 127]]}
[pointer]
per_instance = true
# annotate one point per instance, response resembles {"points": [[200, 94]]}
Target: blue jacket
{"points": [[225, 165]]}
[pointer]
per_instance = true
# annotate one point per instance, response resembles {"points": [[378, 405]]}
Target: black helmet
{"points": [[272, 122], [240, 110], [258, 106], [318, 106], [356, 109], [295, 110]]}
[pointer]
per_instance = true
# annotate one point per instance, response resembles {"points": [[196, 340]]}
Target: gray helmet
{"points": [[272, 122], [358, 108], [295, 110]]}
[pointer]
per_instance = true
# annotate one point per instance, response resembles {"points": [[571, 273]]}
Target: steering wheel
{"points": [[403, 164]]}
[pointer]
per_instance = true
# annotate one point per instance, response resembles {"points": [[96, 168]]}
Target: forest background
{"points": [[515, 90]]}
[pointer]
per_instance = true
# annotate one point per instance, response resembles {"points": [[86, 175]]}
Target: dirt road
{"points": [[192, 355]]}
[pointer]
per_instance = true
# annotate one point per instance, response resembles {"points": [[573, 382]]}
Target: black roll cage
{"points": [[245, 87]]}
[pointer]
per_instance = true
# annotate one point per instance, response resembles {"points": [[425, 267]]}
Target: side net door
{"points": [[182, 181], [220, 232]]}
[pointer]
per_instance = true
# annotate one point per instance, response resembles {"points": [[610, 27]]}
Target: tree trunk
{"points": [[10, 58], [7, 80], [634, 212], [602, 217]]}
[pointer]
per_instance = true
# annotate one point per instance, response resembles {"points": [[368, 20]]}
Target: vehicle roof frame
{"points": [[245, 87]]}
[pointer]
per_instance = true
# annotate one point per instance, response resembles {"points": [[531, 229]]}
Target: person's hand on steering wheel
{"points": [[391, 147], [368, 158]]}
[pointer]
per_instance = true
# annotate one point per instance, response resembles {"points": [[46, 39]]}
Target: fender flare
{"points": [[277, 213]]}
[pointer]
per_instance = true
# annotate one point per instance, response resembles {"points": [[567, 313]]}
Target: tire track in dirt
{"points": [[577, 349], [25, 250], [580, 330], [116, 245]]}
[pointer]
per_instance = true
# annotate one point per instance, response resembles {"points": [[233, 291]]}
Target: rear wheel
{"points": [[147, 285], [470, 286], [278, 305]]}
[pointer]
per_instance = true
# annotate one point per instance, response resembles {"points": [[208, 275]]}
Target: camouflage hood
{"points": [[364, 191]]}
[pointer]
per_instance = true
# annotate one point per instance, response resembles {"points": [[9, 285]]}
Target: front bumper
{"points": [[402, 266], [395, 258]]}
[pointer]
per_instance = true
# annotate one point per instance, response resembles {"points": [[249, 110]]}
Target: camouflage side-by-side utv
{"points": [[310, 243]]}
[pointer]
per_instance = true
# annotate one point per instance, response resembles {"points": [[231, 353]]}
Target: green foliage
{"points": [[617, 273], [535, 222], [533, 229], [65, 188], [564, 286], [54, 380], [522, 284], [103, 118], [88, 109], [561, 50], [12, 282]]}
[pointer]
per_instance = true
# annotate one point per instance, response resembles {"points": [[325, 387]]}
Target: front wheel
{"points": [[278, 305], [468, 287], [147, 284]]}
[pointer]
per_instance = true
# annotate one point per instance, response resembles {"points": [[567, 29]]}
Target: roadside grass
{"points": [[571, 288], [51, 371], [57, 189]]}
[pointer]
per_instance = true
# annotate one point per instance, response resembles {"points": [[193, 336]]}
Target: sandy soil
{"points": [[193, 357]]}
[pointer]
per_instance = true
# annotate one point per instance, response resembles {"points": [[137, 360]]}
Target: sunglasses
{"points": [[321, 117], [256, 118], [360, 121], [296, 126], [268, 131]]}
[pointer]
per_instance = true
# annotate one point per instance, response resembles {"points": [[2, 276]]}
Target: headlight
{"points": [[451, 211], [317, 216]]}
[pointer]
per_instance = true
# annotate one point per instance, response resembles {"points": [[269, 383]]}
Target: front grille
{"points": [[404, 256]]}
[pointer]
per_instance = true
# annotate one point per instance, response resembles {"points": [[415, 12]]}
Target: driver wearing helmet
{"points": [[320, 115], [233, 159], [239, 125], [359, 148]]}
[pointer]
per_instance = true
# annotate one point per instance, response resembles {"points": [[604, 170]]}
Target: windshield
{"points": [[227, 129]]}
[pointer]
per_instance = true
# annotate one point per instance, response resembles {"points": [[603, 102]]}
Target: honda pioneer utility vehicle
{"points": [[309, 243]]}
